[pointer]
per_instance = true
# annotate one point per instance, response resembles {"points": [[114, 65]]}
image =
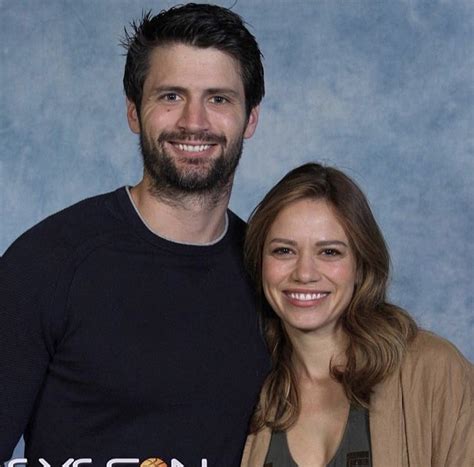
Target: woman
{"points": [[354, 382]]}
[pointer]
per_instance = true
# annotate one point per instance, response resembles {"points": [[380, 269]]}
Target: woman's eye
{"points": [[331, 252], [281, 251]]}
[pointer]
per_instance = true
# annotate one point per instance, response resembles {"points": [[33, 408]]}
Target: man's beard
{"points": [[194, 176]]}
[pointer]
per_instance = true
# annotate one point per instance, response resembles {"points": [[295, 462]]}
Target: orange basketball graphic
{"points": [[153, 462]]}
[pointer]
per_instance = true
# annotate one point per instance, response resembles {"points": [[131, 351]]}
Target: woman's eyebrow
{"points": [[331, 242], [320, 243], [283, 240]]}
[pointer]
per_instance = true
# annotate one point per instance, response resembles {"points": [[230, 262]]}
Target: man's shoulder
{"points": [[69, 227], [236, 225]]}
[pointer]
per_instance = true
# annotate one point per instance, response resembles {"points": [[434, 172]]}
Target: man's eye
{"points": [[218, 99], [170, 97]]}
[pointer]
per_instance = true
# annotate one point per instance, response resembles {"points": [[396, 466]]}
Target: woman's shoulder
{"points": [[437, 356], [432, 346]]}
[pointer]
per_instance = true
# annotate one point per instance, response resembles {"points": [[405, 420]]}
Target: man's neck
{"points": [[192, 219]]}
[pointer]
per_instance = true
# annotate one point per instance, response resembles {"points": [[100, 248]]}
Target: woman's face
{"points": [[308, 267]]}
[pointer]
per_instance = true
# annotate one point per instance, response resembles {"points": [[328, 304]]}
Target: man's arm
{"points": [[27, 285]]}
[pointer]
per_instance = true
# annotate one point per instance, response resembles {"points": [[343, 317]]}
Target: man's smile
{"points": [[192, 147]]}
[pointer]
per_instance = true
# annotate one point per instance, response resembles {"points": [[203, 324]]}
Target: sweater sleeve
{"points": [[29, 273], [453, 421], [438, 404]]}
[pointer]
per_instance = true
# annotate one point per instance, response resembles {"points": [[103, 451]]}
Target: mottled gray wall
{"points": [[382, 89]]}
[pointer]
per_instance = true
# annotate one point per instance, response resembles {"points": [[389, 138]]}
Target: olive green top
{"points": [[354, 449]]}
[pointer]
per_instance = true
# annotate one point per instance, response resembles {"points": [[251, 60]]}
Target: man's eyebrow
{"points": [[180, 90], [226, 91], [166, 88]]}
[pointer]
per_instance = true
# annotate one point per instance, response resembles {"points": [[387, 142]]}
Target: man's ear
{"points": [[252, 122], [132, 117]]}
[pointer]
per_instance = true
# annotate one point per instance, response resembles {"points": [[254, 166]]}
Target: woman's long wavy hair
{"points": [[378, 332]]}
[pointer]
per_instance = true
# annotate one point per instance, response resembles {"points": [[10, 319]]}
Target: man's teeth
{"points": [[193, 147], [307, 296]]}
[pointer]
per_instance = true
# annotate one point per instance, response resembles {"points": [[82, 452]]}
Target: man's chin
{"points": [[190, 162], [192, 177], [198, 183]]}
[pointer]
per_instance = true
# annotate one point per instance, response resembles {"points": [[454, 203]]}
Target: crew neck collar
{"points": [[145, 224]]}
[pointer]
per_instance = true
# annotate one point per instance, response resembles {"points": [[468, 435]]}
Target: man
{"points": [[127, 327]]}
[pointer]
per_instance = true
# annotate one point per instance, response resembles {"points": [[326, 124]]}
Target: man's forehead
{"points": [[188, 61], [177, 48]]}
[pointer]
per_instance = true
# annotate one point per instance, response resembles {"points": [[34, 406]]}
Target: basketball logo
{"points": [[153, 462]]}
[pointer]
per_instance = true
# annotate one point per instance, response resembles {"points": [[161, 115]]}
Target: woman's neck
{"points": [[313, 354]]}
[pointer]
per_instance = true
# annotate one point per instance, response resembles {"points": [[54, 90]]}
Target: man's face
{"points": [[192, 120]]}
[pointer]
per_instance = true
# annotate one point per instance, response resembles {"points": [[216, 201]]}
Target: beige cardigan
{"points": [[420, 416]]}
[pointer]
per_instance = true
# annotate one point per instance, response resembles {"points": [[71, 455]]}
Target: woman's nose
{"points": [[306, 269]]}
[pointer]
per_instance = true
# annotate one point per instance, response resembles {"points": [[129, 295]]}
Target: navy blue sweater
{"points": [[115, 342]]}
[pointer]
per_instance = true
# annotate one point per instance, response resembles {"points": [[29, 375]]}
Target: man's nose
{"points": [[194, 116], [306, 269]]}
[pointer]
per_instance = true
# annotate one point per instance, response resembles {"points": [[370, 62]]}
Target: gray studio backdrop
{"points": [[382, 89]]}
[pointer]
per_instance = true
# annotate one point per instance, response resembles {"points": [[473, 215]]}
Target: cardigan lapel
{"points": [[256, 449], [387, 425]]}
